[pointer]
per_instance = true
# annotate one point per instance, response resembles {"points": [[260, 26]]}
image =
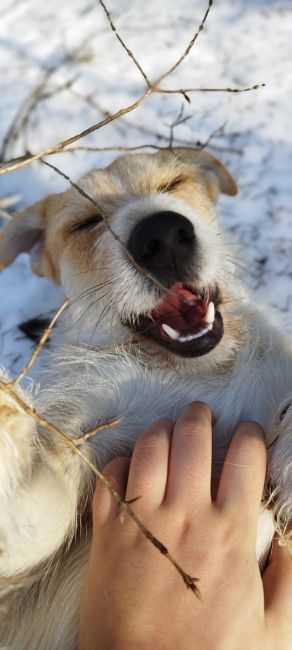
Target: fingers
{"points": [[105, 508], [149, 465], [172, 462], [190, 458], [149, 473], [277, 581], [242, 480]]}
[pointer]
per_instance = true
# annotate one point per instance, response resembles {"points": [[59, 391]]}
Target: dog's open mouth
{"points": [[186, 321]]}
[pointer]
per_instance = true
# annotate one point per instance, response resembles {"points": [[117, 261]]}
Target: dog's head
{"points": [[146, 260]]}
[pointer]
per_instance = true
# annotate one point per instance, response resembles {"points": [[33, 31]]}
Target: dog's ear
{"points": [[217, 177], [25, 233]]}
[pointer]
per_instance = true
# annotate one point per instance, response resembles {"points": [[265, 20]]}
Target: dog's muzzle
{"points": [[165, 245], [186, 320]]}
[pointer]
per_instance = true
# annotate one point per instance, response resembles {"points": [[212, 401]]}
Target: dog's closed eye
{"points": [[90, 222], [172, 185]]}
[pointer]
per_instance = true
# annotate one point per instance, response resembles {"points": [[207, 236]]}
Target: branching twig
{"points": [[9, 387], [186, 91], [138, 147], [197, 145], [124, 505], [9, 166], [60, 146], [29, 104], [122, 42], [4, 169], [108, 226], [180, 119], [188, 48], [40, 345], [92, 432]]}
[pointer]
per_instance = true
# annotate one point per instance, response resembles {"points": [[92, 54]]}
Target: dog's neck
{"points": [[113, 374], [259, 339]]}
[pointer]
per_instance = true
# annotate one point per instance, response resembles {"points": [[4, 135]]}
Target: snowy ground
{"points": [[69, 46]]}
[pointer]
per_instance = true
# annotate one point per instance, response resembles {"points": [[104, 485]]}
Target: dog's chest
{"points": [[138, 395]]}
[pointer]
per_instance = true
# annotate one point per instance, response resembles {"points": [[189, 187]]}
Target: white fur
{"points": [[45, 489]]}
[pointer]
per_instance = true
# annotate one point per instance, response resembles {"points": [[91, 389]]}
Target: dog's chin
{"points": [[187, 322]]}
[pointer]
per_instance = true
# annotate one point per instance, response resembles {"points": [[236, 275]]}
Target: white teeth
{"points": [[173, 334], [169, 331], [208, 321], [191, 337], [210, 314]]}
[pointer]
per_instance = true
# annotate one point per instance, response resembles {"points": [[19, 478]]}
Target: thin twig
{"points": [[92, 432], [122, 42], [6, 167], [180, 119], [89, 198], [188, 48], [60, 145], [122, 503], [25, 110], [197, 145], [8, 387], [186, 91], [40, 344], [117, 148]]}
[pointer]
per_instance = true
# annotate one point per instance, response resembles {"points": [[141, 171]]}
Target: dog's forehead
{"points": [[135, 170]]}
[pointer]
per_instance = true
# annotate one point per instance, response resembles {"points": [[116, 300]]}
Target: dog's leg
{"points": [[39, 484], [279, 473]]}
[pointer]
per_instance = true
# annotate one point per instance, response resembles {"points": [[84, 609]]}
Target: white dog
{"points": [[156, 319]]}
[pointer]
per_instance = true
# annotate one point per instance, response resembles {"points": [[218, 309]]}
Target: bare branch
{"points": [[124, 505], [122, 42], [40, 345], [185, 91], [188, 48], [197, 145], [60, 145], [21, 117], [92, 432], [108, 226], [31, 101], [138, 147]]}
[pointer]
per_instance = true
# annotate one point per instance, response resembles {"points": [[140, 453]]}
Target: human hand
{"points": [[133, 598]]}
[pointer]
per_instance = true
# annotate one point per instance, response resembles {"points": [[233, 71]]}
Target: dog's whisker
{"points": [[93, 289], [238, 263], [104, 312], [92, 269], [81, 316], [138, 349]]}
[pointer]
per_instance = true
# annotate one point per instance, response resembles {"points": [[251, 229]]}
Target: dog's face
{"points": [[146, 262]]}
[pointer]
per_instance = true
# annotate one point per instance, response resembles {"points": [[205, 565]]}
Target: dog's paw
{"points": [[18, 436], [279, 473]]}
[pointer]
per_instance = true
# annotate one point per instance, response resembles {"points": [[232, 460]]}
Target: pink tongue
{"points": [[181, 309]]}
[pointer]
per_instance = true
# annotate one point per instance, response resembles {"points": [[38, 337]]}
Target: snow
{"points": [[87, 74]]}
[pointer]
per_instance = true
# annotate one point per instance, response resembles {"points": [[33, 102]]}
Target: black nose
{"points": [[164, 244]]}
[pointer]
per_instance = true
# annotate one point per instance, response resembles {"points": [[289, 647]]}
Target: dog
{"points": [[157, 318]]}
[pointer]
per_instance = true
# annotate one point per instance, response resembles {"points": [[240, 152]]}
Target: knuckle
{"points": [[193, 431], [231, 538], [147, 446]]}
